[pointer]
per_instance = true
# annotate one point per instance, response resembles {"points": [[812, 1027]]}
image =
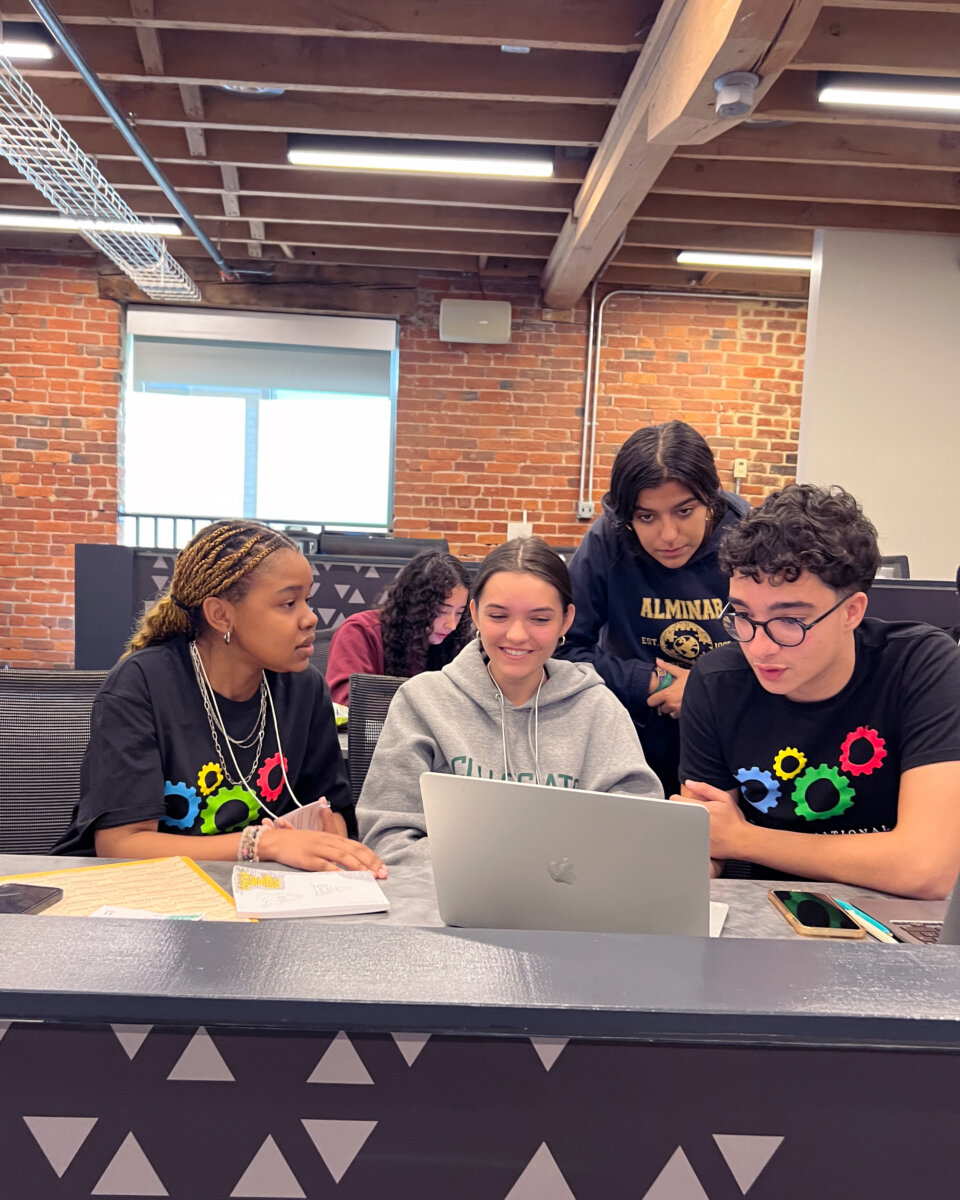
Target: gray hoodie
{"points": [[456, 720]]}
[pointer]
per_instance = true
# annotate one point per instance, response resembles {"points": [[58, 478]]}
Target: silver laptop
{"points": [[520, 856], [923, 922]]}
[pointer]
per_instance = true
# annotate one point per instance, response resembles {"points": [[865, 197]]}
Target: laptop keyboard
{"points": [[923, 931]]}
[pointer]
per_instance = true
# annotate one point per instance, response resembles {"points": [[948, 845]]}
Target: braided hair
{"points": [[217, 561], [410, 605]]}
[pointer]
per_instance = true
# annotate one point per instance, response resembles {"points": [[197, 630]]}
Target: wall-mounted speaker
{"points": [[474, 321]]}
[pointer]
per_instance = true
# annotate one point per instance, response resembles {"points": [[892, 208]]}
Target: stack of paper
{"points": [[262, 893]]}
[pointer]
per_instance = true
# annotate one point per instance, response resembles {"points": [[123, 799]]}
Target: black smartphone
{"points": [[27, 897], [814, 914]]}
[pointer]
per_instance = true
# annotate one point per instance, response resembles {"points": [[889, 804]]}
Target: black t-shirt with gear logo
{"points": [[151, 755], [829, 766]]}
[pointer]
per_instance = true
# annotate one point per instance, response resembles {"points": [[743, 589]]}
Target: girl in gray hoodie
{"points": [[503, 709]]}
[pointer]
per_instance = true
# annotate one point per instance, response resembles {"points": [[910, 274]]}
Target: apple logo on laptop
{"points": [[561, 870]]}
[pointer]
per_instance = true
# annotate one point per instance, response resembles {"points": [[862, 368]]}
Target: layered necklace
{"points": [[217, 726], [255, 736]]}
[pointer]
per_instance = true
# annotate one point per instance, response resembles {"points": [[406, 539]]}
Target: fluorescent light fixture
{"points": [[890, 91], [420, 156], [23, 42], [745, 262], [52, 223]]}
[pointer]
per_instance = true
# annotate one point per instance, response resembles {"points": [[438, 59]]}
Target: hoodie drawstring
{"points": [[534, 718]]}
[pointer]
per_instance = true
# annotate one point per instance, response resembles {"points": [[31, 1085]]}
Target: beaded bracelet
{"points": [[247, 851]]}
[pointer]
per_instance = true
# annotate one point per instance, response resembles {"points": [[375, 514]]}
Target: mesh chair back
{"points": [[370, 697], [321, 649], [44, 729]]}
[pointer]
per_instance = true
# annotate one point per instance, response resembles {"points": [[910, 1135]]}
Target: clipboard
{"points": [[161, 885]]}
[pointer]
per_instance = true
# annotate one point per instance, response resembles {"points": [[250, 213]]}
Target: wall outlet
{"points": [[739, 468], [585, 510], [517, 529]]}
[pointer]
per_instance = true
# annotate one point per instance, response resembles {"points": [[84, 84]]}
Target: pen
{"points": [[872, 926]]}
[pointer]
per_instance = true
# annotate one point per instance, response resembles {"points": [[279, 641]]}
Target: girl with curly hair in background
{"points": [[420, 624]]}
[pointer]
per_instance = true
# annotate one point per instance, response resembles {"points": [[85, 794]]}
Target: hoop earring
{"points": [[563, 640], [226, 637]]}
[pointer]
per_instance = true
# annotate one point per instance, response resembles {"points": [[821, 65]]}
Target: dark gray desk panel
{"points": [[375, 978]]}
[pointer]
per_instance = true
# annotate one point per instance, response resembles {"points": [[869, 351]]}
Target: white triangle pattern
{"points": [[202, 1062], [356, 598], [130, 1173], [269, 1174], [160, 562], [160, 581], [338, 1142], [746, 1155], [342, 589], [4, 1026], [677, 1181], [410, 1045], [340, 1063], [60, 1138], [325, 615], [131, 1037], [541, 1180], [548, 1049], [373, 573]]}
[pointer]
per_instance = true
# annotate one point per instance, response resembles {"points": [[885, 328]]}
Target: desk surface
{"points": [[380, 974]]}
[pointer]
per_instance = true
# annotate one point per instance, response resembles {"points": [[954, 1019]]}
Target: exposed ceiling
{"points": [[437, 69]]}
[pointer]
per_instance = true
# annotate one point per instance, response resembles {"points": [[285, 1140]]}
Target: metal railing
{"points": [[172, 531]]}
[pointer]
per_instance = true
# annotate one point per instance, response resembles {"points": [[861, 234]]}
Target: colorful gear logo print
{"points": [[845, 793], [769, 800], [873, 762], [209, 822], [782, 756], [193, 804], [210, 768], [270, 794]]}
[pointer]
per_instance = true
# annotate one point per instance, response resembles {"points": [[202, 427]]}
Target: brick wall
{"points": [[59, 362], [483, 433], [486, 432]]}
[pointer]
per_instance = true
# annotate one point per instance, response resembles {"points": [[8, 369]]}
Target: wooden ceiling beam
{"points": [[529, 195], [844, 145], [192, 100], [796, 181], [344, 65], [678, 235], [891, 42], [794, 98], [148, 39], [610, 26], [795, 214], [375, 116], [761, 284], [362, 237], [914, 6], [418, 260], [691, 44]]}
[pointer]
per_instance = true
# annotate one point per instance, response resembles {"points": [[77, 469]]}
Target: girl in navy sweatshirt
{"points": [[646, 584]]}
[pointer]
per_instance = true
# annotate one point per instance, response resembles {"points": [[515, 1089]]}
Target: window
{"points": [[290, 419]]}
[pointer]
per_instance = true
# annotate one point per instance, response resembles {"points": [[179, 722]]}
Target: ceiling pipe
{"points": [[592, 387], [52, 22]]}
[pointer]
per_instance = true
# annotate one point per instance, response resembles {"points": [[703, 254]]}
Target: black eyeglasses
{"points": [[785, 631]]}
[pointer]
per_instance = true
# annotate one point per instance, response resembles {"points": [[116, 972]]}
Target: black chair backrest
{"points": [[370, 697], [321, 649], [44, 730]]}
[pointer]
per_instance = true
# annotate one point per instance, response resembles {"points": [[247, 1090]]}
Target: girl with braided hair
{"points": [[420, 624], [214, 725]]}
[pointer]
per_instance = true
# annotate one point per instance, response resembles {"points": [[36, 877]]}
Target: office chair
{"points": [[44, 729], [370, 697], [321, 649]]}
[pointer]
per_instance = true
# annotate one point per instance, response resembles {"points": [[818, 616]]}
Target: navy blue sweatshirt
{"points": [[631, 610]]}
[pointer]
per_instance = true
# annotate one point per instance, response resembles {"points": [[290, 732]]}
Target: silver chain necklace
{"points": [[216, 723]]}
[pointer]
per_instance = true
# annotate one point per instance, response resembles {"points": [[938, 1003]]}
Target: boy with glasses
{"points": [[817, 720]]}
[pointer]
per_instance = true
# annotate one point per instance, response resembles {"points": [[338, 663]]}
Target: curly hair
{"points": [[218, 561], [659, 454], [822, 531], [410, 605]]}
